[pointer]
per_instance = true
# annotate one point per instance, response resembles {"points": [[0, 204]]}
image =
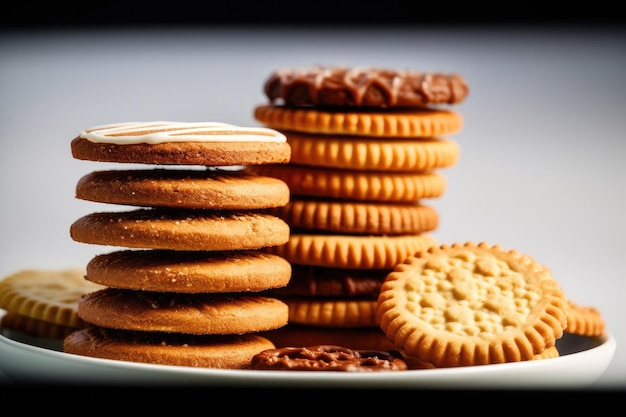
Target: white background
{"points": [[542, 149]]}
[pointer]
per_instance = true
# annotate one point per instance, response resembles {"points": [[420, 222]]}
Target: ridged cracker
{"points": [[384, 123], [471, 304], [332, 312], [367, 153], [357, 217], [320, 281], [584, 320], [35, 327], [390, 187], [351, 251], [416, 363]]}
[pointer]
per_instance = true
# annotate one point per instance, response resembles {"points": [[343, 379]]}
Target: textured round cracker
{"points": [[471, 304], [332, 312], [367, 153], [197, 189], [201, 351], [48, 295], [376, 186], [408, 123], [352, 337], [584, 320], [189, 271], [184, 153], [363, 86], [357, 217], [181, 229], [351, 251], [182, 313]]}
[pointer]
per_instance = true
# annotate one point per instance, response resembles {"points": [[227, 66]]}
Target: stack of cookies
{"points": [[367, 146], [184, 285]]}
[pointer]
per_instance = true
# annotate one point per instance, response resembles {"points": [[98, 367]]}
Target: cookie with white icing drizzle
{"points": [[180, 143]]}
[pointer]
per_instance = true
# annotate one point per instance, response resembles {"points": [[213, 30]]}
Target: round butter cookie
{"points": [[201, 351], [48, 295], [308, 181], [181, 143], [368, 153], [182, 313], [393, 123], [189, 271], [363, 86], [358, 217], [351, 251], [471, 304], [181, 229], [196, 189]]}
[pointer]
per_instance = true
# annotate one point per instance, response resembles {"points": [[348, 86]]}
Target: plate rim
{"points": [[419, 377]]}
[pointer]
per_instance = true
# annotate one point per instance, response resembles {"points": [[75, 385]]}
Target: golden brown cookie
{"points": [[48, 295], [371, 338], [181, 229], [367, 153], [189, 271], [332, 311], [390, 187], [363, 87], [327, 358], [471, 304], [201, 351], [182, 313], [197, 189], [351, 251], [358, 217], [180, 143], [584, 320], [401, 123]]}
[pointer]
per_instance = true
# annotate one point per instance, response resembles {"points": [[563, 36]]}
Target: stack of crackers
{"points": [[368, 146], [184, 286]]}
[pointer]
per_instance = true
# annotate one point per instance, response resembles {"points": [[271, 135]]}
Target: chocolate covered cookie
{"points": [[362, 86]]}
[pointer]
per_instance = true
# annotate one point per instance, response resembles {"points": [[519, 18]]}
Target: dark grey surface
{"points": [[542, 149]]}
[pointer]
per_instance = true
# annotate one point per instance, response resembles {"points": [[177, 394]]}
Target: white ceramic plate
{"points": [[582, 361]]}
